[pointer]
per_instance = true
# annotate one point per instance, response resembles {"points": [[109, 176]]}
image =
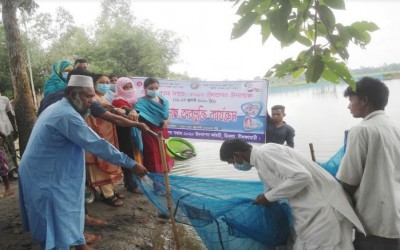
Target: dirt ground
{"points": [[134, 225]]}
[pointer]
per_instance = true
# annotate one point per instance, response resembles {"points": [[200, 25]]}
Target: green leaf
{"points": [[265, 30], [298, 72], [339, 69], [243, 25], [304, 40], [327, 17], [335, 4], [315, 67], [365, 26], [310, 32], [279, 20], [330, 76], [247, 6]]}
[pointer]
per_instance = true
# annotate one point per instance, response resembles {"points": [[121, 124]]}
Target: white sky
{"points": [[205, 27]]}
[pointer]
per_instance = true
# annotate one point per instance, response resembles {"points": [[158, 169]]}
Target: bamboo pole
{"points": [[312, 151], [167, 188]]}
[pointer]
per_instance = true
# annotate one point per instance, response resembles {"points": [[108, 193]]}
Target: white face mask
{"points": [[65, 75], [151, 93]]}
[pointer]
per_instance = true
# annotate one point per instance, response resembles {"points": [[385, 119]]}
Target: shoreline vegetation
{"points": [[288, 81]]}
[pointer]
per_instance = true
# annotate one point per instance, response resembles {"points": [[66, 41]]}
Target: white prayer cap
{"points": [[80, 81]]}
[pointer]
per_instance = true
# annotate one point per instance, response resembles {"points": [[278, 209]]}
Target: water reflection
{"points": [[318, 113]]}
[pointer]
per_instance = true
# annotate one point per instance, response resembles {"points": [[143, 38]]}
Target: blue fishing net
{"points": [[221, 211], [333, 164]]}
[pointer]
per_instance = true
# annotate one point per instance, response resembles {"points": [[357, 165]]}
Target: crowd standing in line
{"points": [[52, 187]]}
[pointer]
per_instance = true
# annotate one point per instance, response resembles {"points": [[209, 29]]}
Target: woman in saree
{"points": [[154, 111], [100, 173], [58, 78], [129, 137]]}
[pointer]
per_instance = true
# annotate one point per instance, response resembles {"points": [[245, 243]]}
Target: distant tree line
{"points": [[117, 43], [388, 71]]}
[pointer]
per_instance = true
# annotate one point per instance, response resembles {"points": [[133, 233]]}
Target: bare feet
{"points": [[8, 193], [134, 190], [91, 238], [84, 247], [90, 221]]}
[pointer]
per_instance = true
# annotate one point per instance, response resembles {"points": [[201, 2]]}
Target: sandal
{"points": [[113, 201], [119, 196]]}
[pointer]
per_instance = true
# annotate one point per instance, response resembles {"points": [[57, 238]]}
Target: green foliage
{"points": [[117, 44], [311, 23], [5, 78]]}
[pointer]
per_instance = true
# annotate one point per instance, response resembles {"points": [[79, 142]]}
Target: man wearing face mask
{"points": [[52, 169], [322, 215]]}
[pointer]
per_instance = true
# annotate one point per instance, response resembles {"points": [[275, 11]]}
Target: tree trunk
{"points": [[24, 106]]}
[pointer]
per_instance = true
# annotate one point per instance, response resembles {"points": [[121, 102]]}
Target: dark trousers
{"points": [[371, 242]]}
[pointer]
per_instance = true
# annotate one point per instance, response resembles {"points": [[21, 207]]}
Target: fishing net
{"points": [[221, 211], [332, 165]]}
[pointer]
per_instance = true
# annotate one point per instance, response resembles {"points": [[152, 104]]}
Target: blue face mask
{"points": [[65, 75], [245, 166], [151, 93], [112, 87], [102, 87]]}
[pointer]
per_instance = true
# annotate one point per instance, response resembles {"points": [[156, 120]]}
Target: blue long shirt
{"points": [[52, 175]]}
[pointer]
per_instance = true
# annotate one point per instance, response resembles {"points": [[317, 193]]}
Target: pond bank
{"points": [[134, 225]]}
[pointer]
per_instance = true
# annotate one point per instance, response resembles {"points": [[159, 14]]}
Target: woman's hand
{"points": [[165, 123], [133, 115]]}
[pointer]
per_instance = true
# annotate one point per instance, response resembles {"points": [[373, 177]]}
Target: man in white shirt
{"points": [[370, 169], [322, 215]]}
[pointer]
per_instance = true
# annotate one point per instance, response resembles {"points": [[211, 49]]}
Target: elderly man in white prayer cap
{"points": [[52, 169]]}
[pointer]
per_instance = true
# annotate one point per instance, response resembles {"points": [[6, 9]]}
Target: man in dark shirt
{"points": [[277, 130]]}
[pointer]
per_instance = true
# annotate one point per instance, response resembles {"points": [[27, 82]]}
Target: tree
{"points": [[311, 23], [24, 105], [127, 48]]}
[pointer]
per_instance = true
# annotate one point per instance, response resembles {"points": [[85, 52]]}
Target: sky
{"points": [[205, 26]]}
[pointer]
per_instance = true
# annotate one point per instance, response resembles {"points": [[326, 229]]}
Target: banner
{"points": [[215, 110]]}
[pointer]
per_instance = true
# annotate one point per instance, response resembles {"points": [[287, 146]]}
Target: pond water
{"points": [[318, 113]]}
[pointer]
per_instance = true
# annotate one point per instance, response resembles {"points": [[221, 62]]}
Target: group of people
{"points": [[365, 195], [68, 146], [358, 209]]}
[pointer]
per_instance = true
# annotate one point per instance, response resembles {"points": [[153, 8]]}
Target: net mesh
{"points": [[333, 164], [221, 211]]}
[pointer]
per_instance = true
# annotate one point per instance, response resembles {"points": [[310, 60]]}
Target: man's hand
{"points": [[143, 127], [261, 200], [119, 111], [139, 170]]}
